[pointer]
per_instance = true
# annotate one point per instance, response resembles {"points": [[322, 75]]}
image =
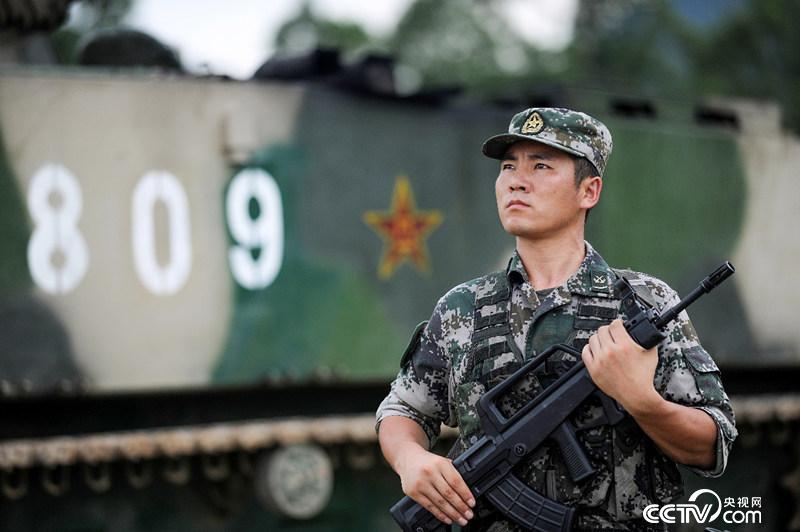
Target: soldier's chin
{"points": [[516, 229]]}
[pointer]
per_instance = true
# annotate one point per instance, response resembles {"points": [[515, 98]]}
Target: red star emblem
{"points": [[403, 230]]}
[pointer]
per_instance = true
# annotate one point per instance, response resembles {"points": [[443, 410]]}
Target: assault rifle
{"points": [[487, 466]]}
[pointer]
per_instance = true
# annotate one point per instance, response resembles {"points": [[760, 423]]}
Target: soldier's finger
{"points": [[587, 355], [617, 330], [605, 337], [608, 333], [453, 477], [594, 345], [429, 505], [441, 495], [457, 499]]}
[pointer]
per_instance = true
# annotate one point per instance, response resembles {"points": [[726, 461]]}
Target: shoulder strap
{"points": [[494, 290]]}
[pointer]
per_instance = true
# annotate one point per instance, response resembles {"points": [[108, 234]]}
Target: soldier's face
{"points": [[536, 193]]}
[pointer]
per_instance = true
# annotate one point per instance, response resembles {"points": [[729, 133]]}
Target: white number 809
{"points": [[254, 260]]}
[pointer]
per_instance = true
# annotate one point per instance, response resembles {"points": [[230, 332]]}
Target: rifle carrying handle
{"points": [[493, 422]]}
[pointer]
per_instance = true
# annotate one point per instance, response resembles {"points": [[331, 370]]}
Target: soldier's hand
{"points": [[622, 368], [434, 483]]}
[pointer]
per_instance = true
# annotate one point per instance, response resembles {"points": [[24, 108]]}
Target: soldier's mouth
{"points": [[516, 203]]}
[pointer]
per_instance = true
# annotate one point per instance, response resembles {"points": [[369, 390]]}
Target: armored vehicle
{"points": [[206, 285]]}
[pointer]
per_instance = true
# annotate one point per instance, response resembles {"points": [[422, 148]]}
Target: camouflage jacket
{"points": [[459, 353]]}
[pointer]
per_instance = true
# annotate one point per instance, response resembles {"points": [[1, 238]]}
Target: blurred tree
{"points": [[754, 54], [460, 41], [436, 42], [107, 13], [630, 45], [26, 16], [307, 31], [746, 48], [87, 16], [674, 48]]}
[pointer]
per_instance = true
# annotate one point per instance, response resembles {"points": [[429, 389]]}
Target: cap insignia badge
{"points": [[533, 124]]}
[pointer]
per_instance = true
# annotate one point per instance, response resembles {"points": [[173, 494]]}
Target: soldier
{"points": [[556, 289]]}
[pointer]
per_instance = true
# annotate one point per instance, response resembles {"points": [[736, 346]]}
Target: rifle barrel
{"points": [[706, 286]]}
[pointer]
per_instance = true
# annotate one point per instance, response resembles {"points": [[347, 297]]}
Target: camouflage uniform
{"points": [[460, 353], [483, 330]]}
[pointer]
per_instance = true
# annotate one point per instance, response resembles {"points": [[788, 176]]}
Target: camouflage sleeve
{"points": [[420, 391], [687, 375]]}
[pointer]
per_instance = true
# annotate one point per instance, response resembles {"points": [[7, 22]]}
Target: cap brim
{"points": [[497, 146]]}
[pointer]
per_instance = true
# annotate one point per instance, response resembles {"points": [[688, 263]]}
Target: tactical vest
{"points": [[631, 471]]}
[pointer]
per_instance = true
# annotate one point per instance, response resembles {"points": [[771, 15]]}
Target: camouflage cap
{"points": [[571, 131]]}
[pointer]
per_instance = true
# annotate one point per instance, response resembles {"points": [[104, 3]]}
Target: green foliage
{"points": [[749, 51], [307, 31], [634, 46], [754, 54], [109, 13], [630, 45], [440, 42], [94, 15], [457, 41], [65, 44]]}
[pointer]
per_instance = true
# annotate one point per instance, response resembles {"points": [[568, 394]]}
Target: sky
{"points": [[234, 37]]}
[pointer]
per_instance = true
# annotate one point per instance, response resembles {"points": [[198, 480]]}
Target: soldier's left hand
{"points": [[620, 367]]}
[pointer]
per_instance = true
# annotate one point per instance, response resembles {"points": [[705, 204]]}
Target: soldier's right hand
{"points": [[434, 483]]}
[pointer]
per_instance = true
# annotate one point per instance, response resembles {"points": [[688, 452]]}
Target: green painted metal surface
{"points": [[675, 202], [678, 198]]}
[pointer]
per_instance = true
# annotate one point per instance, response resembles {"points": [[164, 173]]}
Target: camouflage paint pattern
{"points": [[674, 188]]}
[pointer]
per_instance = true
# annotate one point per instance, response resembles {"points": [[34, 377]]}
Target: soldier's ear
{"points": [[589, 191]]}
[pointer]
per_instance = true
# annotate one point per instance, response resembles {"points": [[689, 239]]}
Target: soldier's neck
{"points": [[551, 261]]}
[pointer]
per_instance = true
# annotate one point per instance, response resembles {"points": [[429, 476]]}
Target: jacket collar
{"points": [[593, 278]]}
